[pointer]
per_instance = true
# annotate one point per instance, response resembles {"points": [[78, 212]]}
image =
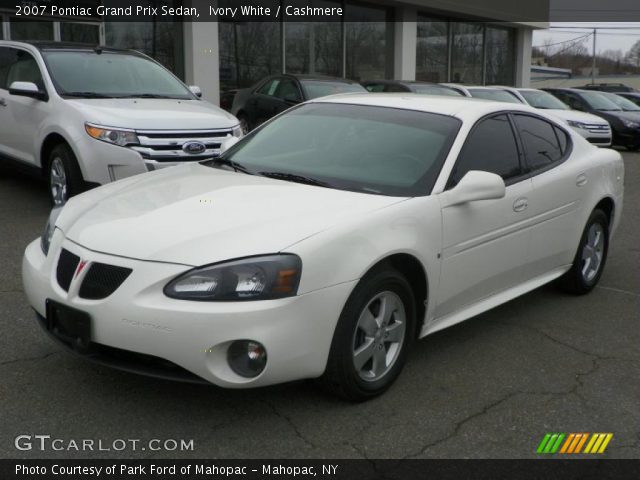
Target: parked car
{"points": [[423, 88], [226, 99], [625, 104], [496, 94], [595, 129], [632, 96], [86, 115], [275, 94], [608, 87], [624, 125], [325, 242]]}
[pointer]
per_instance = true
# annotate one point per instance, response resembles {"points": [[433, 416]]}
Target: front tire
{"points": [[590, 258], [65, 177], [372, 337]]}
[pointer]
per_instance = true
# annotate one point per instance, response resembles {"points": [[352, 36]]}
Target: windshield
{"points": [[544, 100], [623, 103], [111, 75], [322, 88], [495, 95], [434, 90], [352, 147], [598, 101]]}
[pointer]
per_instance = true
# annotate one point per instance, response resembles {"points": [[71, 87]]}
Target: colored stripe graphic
{"points": [[572, 443]]}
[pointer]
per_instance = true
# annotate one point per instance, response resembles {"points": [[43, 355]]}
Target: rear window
{"points": [[495, 95], [544, 144], [321, 88]]}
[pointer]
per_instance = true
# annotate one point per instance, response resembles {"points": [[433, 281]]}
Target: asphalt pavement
{"points": [[488, 388]]}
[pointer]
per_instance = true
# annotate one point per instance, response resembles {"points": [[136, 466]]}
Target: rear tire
{"points": [[372, 337], [64, 175], [590, 258]]}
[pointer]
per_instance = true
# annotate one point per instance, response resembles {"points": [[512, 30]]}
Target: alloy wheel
{"points": [[592, 252]]}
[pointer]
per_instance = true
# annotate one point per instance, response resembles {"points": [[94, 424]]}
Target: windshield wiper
{"points": [[86, 95], [146, 95], [238, 167], [291, 177]]}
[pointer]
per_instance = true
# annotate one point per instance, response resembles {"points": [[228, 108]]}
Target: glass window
{"points": [[269, 88], [623, 103], [248, 52], [495, 95], [29, 30], [160, 40], [598, 101], [322, 88], [466, 54], [79, 32], [500, 63], [288, 90], [490, 147], [375, 87], [432, 50], [544, 100], [369, 42], [111, 75], [435, 90], [354, 147], [18, 66], [541, 144]]}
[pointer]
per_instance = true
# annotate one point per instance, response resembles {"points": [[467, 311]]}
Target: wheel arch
{"points": [[50, 142], [414, 271], [608, 206]]}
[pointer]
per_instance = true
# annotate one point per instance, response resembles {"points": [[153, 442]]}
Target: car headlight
{"points": [[575, 124], [116, 136], [631, 124], [237, 131], [45, 240], [254, 278]]}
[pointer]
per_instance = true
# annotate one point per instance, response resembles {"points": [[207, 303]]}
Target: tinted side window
{"points": [[541, 144], [375, 87], [7, 57], [490, 147], [288, 90], [270, 87], [395, 88]]}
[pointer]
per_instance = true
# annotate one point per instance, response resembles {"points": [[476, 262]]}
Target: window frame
{"points": [[565, 154], [450, 184]]}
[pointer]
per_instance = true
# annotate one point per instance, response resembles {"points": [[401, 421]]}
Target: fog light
{"points": [[247, 358]]}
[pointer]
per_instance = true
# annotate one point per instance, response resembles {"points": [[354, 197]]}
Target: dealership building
{"points": [[466, 41]]}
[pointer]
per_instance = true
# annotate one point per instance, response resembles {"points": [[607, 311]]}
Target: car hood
{"points": [[154, 113], [194, 215], [577, 116]]}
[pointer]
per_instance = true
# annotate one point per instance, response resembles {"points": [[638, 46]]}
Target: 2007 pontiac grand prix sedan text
{"points": [[326, 241]]}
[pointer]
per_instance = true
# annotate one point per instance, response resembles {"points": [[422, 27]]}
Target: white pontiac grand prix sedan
{"points": [[323, 243]]}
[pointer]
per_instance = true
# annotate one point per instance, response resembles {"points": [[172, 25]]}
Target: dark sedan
{"points": [[273, 95], [423, 88], [624, 125]]}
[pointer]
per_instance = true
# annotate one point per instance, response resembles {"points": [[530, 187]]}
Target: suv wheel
{"points": [[373, 335], [65, 178]]}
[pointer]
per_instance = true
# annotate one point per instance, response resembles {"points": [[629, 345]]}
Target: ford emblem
{"points": [[194, 148]]}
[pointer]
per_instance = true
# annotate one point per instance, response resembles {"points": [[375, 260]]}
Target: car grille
{"points": [[102, 280], [67, 264], [166, 145], [597, 128], [599, 140]]}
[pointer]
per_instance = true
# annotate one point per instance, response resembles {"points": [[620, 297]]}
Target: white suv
{"points": [[86, 115]]}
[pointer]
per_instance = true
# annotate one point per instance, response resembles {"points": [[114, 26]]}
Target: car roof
{"points": [[461, 107], [50, 45]]}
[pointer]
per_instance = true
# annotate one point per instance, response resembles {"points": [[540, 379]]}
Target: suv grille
{"points": [[597, 128], [67, 263], [166, 145], [102, 280]]}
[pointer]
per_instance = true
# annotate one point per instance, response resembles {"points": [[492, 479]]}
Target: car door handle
{"points": [[582, 180], [3, 102], [520, 204]]}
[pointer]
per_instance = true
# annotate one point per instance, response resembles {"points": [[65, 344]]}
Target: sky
{"points": [[610, 36]]}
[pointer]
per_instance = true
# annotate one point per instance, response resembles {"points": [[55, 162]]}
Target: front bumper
{"points": [[626, 137], [596, 137], [139, 319]]}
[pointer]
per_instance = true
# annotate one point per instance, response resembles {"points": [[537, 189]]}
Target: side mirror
{"points": [[227, 143], [475, 185], [196, 90], [27, 89]]}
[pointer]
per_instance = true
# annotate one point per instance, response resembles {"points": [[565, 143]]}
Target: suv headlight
{"points": [[630, 124], [575, 124], [254, 278], [237, 131], [116, 136], [45, 240]]}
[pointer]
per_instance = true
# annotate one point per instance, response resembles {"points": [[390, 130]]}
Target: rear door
{"points": [[485, 242], [559, 187]]}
